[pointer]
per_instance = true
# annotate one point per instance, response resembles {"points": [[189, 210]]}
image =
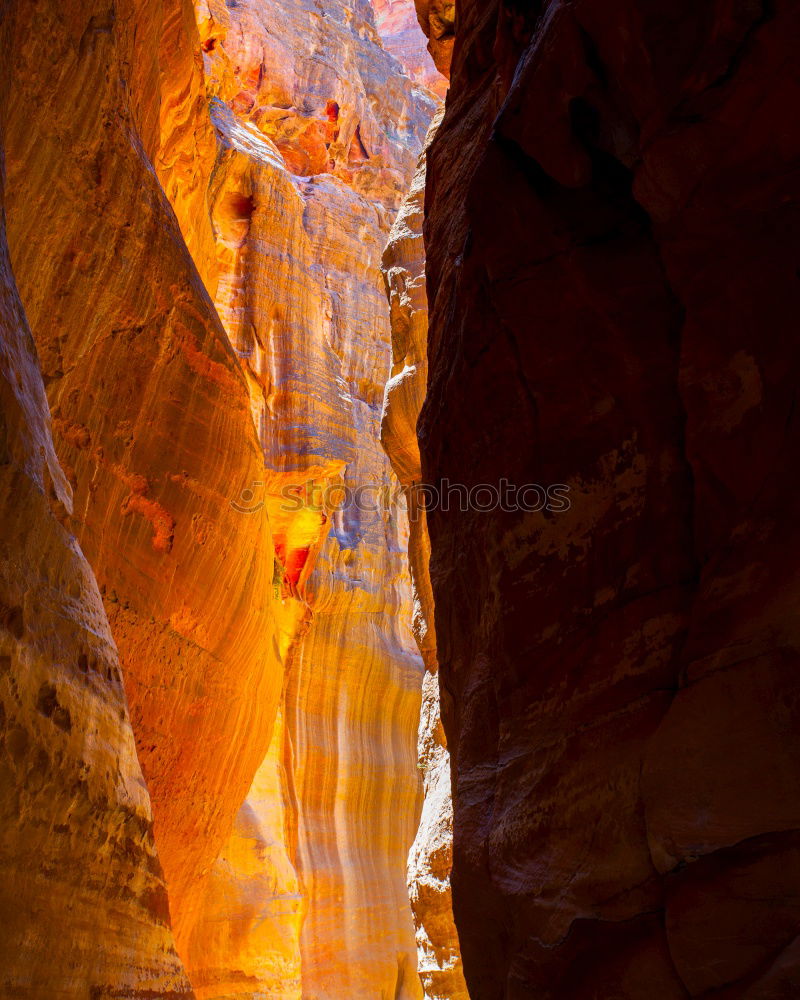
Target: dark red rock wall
{"points": [[613, 242]]}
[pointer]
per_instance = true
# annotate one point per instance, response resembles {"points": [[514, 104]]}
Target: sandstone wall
{"points": [[431, 855], [83, 903], [437, 18], [167, 172], [150, 409], [399, 29], [611, 216], [318, 133]]}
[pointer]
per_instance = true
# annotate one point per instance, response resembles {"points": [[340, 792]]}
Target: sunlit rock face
{"points": [[399, 28], [183, 148], [151, 413], [611, 213], [318, 132], [431, 855], [353, 695], [82, 899], [437, 18], [247, 941]]}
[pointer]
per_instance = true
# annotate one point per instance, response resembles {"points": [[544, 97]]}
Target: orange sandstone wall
{"points": [[83, 904], [318, 132], [266, 648], [150, 410], [183, 147]]}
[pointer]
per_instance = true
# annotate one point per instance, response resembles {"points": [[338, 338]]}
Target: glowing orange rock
{"points": [[248, 937], [151, 410], [297, 885], [82, 900], [318, 134]]}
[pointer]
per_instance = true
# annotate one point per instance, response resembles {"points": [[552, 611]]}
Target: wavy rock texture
{"points": [[439, 959], [318, 132], [184, 152], [150, 410], [399, 28], [612, 206], [82, 898], [248, 942], [354, 691]]}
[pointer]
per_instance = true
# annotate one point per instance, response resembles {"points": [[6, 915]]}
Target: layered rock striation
{"points": [[82, 896], [151, 413], [318, 132], [611, 214]]}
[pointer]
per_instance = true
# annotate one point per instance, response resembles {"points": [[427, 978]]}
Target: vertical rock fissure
{"points": [[431, 854]]}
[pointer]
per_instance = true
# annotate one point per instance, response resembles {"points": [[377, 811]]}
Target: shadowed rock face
{"points": [[611, 230]]}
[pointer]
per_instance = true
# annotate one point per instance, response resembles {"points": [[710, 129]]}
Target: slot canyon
{"points": [[397, 435]]}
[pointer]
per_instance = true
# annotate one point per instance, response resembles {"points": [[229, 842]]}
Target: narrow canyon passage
{"points": [[289, 710]]}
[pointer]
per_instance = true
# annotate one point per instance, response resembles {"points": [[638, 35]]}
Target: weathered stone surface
{"points": [[398, 26], [430, 859], [318, 132], [150, 409], [612, 208], [355, 115], [437, 18], [82, 899], [184, 151]]}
